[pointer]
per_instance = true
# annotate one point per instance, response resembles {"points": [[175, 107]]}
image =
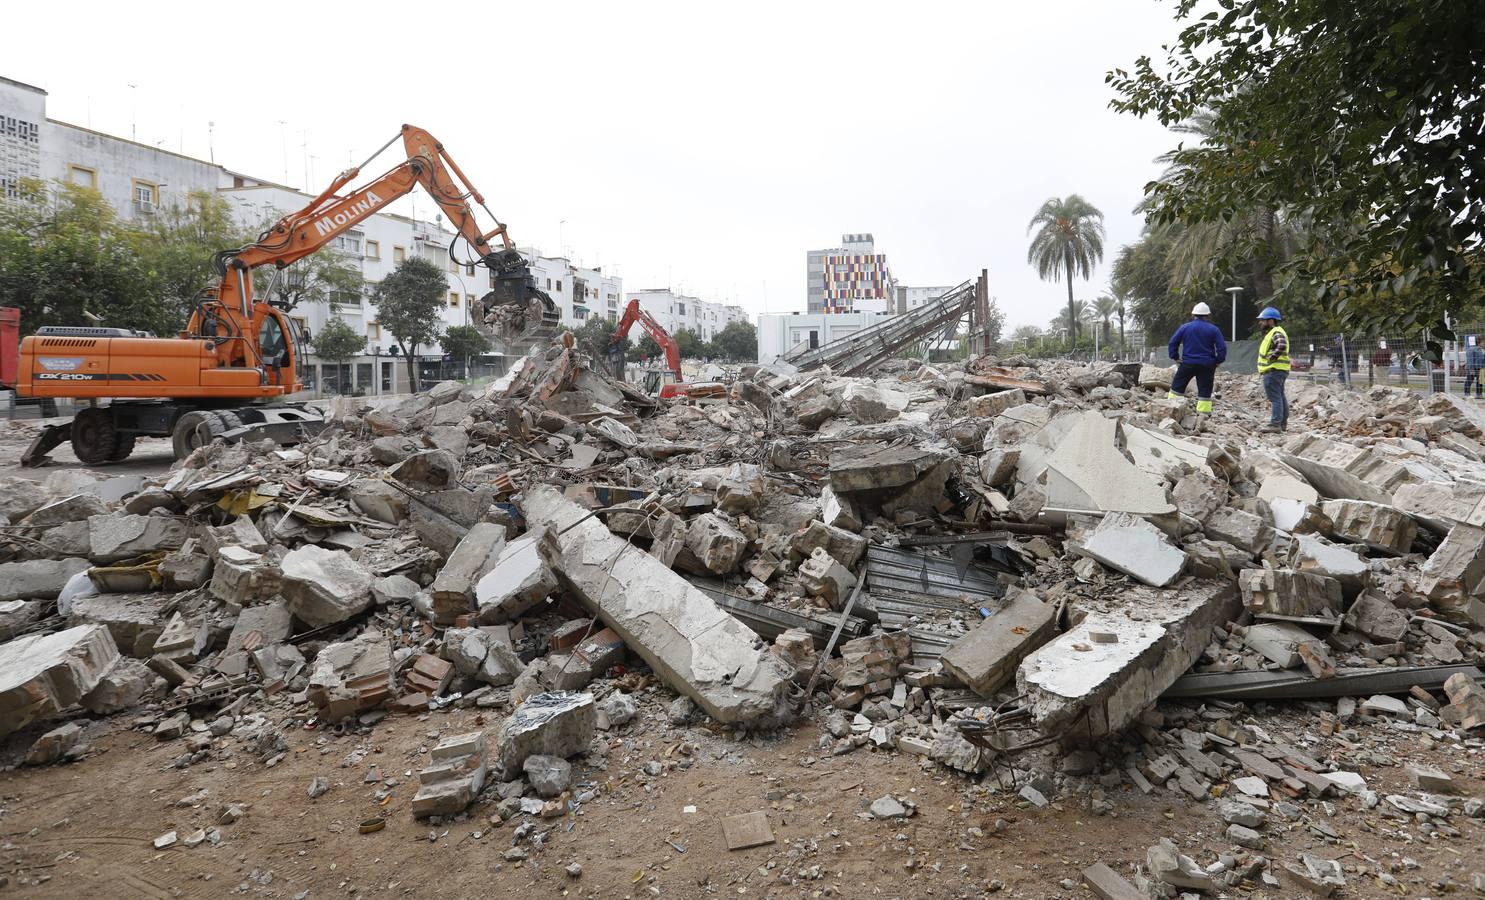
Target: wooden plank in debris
{"points": [[747, 830]]}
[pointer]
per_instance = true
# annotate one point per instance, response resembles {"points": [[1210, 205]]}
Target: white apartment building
{"points": [[781, 332], [138, 179], [676, 311], [913, 297]]}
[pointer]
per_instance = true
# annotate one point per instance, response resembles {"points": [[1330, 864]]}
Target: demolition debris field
{"points": [[994, 628]]}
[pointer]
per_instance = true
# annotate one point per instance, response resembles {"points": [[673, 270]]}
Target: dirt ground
{"points": [[88, 827]]}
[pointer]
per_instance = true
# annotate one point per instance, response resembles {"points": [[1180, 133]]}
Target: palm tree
{"points": [[1103, 307], [1122, 309], [1025, 335], [1068, 242], [1081, 314]]}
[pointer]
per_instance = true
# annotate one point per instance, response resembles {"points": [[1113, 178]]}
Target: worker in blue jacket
{"points": [[1199, 349]]}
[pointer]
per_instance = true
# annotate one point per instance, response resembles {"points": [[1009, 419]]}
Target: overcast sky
{"points": [[703, 146]]}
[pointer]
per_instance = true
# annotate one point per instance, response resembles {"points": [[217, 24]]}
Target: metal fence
{"points": [[1405, 361]]}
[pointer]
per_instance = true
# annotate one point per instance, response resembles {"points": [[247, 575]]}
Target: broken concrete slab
{"points": [[350, 677], [712, 546], [1377, 618], [1090, 688], [847, 548], [988, 405], [19, 497], [482, 654], [324, 587], [1077, 462], [1016, 426], [1278, 642], [691, 643], [122, 687], [1316, 556], [133, 620], [1240, 529], [871, 405], [870, 467], [1375, 525], [1438, 506], [43, 674], [474, 556], [259, 626], [378, 500], [986, 657], [1347, 471], [77, 508], [38, 579], [826, 579], [117, 538], [1452, 577], [453, 778], [560, 724], [1131, 545], [740, 491], [1285, 592]]}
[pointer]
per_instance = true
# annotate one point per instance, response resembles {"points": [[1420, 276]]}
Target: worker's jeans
{"points": [[1472, 377], [1273, 387], [1204, 375]]}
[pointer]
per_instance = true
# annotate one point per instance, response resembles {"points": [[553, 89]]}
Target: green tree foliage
{"points": [[1068, 243], [176, 247], [1365, 119], [409, 305], [595, 335], [690, 344], [738, 342], [645, 349], [329, 276], [1025, 336], [338, 342], [462, 341]]}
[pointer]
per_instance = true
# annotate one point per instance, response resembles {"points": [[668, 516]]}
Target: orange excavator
{"points": [[633, 313], [228, 373]]}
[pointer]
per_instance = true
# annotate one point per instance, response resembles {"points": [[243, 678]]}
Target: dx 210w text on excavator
{"points": [[229, 372]]}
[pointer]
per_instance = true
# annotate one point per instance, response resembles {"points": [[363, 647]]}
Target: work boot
{"points": [[1271, 429]]}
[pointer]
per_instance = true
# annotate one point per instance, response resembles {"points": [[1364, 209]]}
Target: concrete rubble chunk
{"points": [[17, 615], [998, 466], [482, 654], [1347, 471], [378, 500], [1316, 556], [20, 497], [351, 677], [1169, 865], [453, 778], [559, 723], [134, 621], [521, 578], [1080, 466], [55, 744], [712, 546], [548, 775], [740, 491], [1466, 701], [1016, 426], [870, 405], [43, 674], [1198, 496], [187, 568], [1279, 642], [122, 687], [693, 645], [837, 511], [475, 556], [324, 587], [988, 405], [1240, 529], [1285, 592], [1314, 875], [1161, 633], [114, 538], [394, 589], [38, 579], [985, 658], [847, 548], [871, 467], [1439, 506], [1377, 618], [1131, 545], [826, 579], [237, 575], [1453, 576], [1375, 525], [77, 508]]}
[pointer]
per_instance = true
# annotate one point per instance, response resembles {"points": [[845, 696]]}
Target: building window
{"points": [[549, 284], [453, 266], [469, 299], [469, 271], [373, 249], [399, 255], [680, 309], [82, 176], [454, 299], [348, 243], [146, 194], [559, 285], [580, 313], [344, 298], [373, 331]]}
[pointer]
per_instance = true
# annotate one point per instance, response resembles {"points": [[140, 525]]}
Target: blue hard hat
{"points": [[1270, 313]]}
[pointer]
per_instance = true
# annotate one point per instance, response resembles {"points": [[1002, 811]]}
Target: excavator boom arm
{"points": [[633, 313]]}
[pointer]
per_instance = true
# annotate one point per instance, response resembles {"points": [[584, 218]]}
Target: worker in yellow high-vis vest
{"points": [[1273, 368]]}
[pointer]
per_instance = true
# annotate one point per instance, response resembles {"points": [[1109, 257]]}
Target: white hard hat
{"points": [[1201, 309]]}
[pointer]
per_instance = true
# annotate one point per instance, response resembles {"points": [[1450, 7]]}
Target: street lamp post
{"points": [[1237, 294]]}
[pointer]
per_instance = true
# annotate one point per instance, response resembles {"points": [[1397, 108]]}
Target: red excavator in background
{"points": [[227, 374], [655, 379]]}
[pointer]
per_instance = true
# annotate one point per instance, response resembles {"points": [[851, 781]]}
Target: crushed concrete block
{"points": [[988, 405], [1131, 545], [1169, 865], [1438, 506], [394, 589], [1452, 577], [870, 405], [240, 532], [871, 467], [183, 638], [1156, 378], [114, 538], [38, 579], [1375, 525], [1294, 517], [1347, 471], [812, 412], [693, 645], [1279, 642], [1016, 426], [986, 657], [43, 674], [236, 575], [998, 466], [1079, 466], [17, 615], [826, 579], [740, 491], [845, 547], [187, 568], [1106, 685], [547, 775], [133, 620], [351, 677], [77, 508], [521, 578], [556, 724], [121, 687], [475, 556], [1377, 618], [1466, 702], [1314, 875], [378, 500], [1315, 556], [712, 546], [20, 497], [1285, 592], [1198, 496], [259, 626], [482, 654], [1240, 529], [795, 647], [837, 511], [1280, 485], [453, 778], [427, 470], [324, 587], [55, 744]]}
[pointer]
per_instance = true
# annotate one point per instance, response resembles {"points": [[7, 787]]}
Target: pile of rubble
{"points": [[974, 564]]}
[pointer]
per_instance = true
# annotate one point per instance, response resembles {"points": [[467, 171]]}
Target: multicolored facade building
{"points": [[850, 278]]}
